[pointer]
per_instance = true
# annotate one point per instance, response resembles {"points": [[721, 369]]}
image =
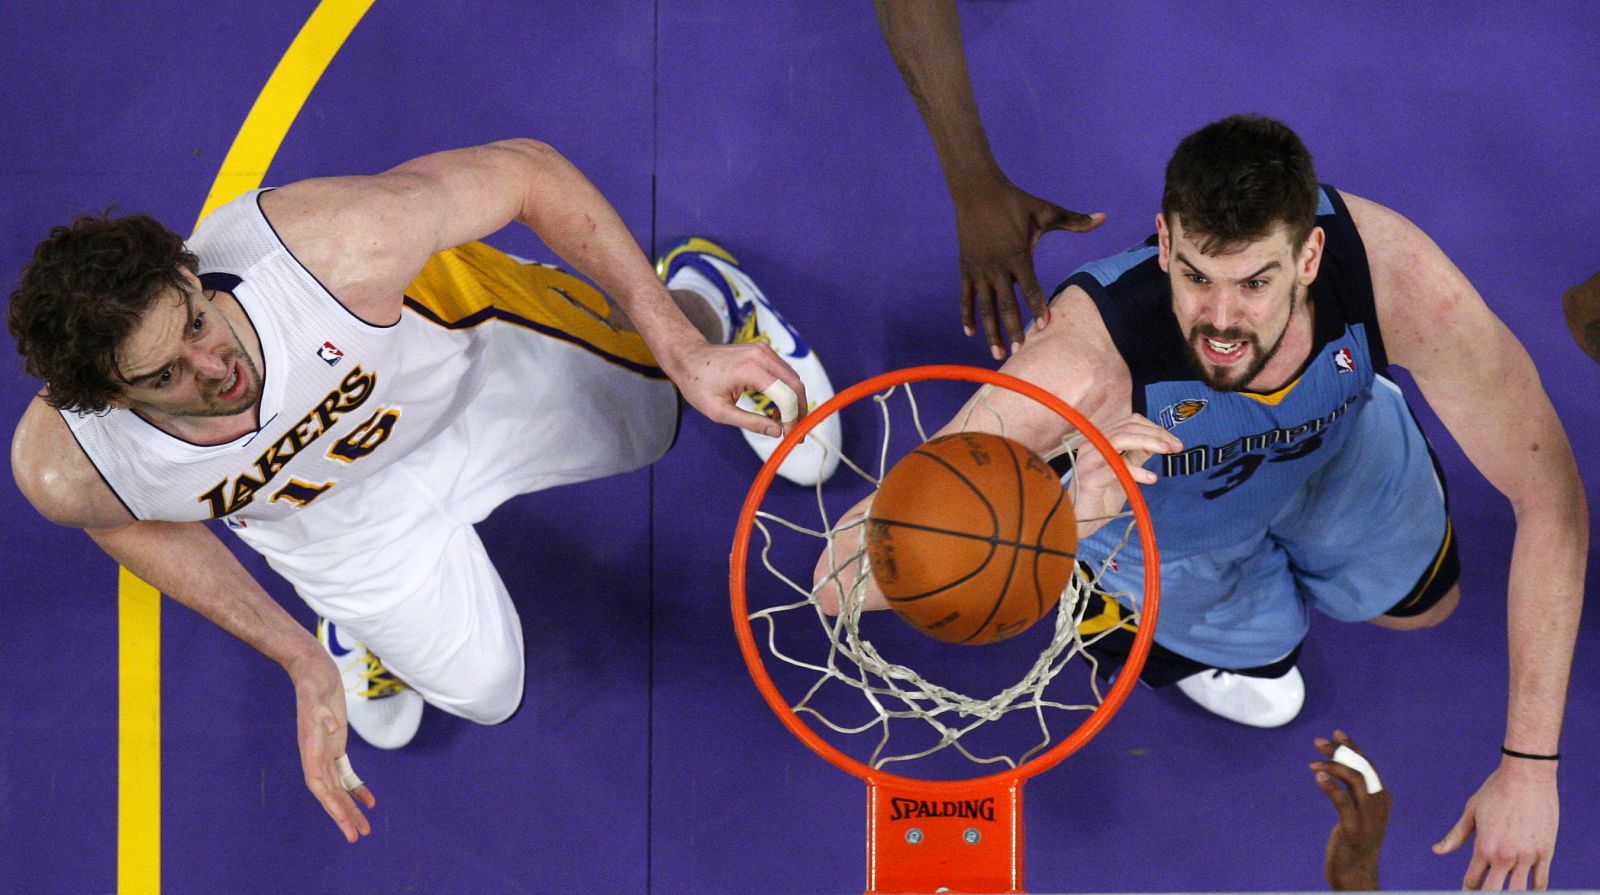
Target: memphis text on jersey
{"points": [[230, 496], [1282, 442]]}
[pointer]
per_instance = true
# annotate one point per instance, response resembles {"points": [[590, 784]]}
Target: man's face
{"points": [[1235, 308], [184, 359]]}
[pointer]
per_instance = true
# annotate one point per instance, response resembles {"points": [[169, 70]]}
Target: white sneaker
{"points": [[1255, 701], [751, 318], [382, 709]]}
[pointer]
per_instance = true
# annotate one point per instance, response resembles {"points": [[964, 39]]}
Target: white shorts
{"points": [[394, 559]]}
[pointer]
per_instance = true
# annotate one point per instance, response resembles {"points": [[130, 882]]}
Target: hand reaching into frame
{"points": [[323, 732], [998, 229], [1357, 838]]}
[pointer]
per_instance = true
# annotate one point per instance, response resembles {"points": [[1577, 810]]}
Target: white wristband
{"points": [[1350, 758], [347, 777], [783, 396]]}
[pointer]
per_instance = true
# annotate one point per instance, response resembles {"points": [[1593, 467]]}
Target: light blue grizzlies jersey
{"points": [[1246, 455]]}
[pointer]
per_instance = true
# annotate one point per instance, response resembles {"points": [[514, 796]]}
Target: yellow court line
{"points": [[279, 103], [138, 604], [138, 735]]}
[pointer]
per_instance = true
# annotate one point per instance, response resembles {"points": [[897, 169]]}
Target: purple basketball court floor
{"points": [[643, 759]]}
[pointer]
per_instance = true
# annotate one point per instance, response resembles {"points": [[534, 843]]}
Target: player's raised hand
{"points": [[1515, 815], [1097, 494], [998, 228], [323, 732], [712, 377], [1357, 837]]}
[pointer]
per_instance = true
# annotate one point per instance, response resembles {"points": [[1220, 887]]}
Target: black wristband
{"points": [[1515, 754]]}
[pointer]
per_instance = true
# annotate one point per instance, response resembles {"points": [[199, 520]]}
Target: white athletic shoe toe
{"points": [[1254, 701]]}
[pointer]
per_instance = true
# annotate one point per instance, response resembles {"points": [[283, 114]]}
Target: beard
{"points": [[247, 398], [1234, 378]]}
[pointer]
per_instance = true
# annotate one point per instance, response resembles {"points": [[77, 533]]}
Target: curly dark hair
{"points": [[1234, 179], [84, 292]]}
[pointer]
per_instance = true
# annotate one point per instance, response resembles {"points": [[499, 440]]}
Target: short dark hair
{"points": [[86, 289], [1233, 180]]}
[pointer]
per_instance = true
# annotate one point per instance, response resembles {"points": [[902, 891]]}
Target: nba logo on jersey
{"points": [[330, 353], [234, 524], [1344, 360], [1182, 411]]}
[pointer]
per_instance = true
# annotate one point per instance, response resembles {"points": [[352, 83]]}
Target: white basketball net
{"points": [[899, 696]]}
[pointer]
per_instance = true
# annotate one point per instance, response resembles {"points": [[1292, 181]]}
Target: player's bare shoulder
{"points": [[56, 476], [353, 235], [1422, 299]]}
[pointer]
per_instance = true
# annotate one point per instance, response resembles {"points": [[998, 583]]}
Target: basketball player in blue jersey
{"points": [[337, 371], [1242, 353]]}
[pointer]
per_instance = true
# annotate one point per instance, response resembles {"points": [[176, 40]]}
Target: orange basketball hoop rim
{"points": [[993, 865]]}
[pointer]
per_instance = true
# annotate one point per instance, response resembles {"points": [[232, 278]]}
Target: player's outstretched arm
{"points": [[1357, 838], [1582, 307], [1481, 382], [366, 238], [187, 562], [997, 224]]}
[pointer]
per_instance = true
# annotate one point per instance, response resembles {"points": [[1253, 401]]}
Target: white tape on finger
{"points": [[1350, 758], [788, 402], [347, 777]]}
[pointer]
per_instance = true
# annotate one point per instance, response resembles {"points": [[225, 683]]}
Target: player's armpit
{"points": [[1581, 304]]}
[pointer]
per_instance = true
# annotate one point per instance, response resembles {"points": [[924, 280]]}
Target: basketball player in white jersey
{"points": [[335, 370]]}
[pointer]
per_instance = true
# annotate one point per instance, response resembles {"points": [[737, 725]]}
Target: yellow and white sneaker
{"points": [[707, 269], [382, 710]]}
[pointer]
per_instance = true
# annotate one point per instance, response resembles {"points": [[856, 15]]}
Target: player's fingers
{"points": [[1477, 872], [969, 323], [755, 368], [1340, 738], [984, 298], [1004, 288], [1058, 218], [1457, 835], [1333, 788], [1349, 776], [1137, 427], [1541, 873], [1138, 441], [772, 370], [1495, 879], [1518, 881], [1028, 282], [336, 803], [759, 423], [1326, 747]]}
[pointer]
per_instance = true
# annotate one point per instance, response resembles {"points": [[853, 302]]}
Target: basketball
{"points": [[971, 538]]}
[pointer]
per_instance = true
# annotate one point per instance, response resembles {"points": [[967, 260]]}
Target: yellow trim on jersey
{"points": [[468, 284], [1274, 398], [1427, 580]]}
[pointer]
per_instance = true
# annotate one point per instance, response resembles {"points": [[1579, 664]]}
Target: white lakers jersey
{"points": [[341, 398]]}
